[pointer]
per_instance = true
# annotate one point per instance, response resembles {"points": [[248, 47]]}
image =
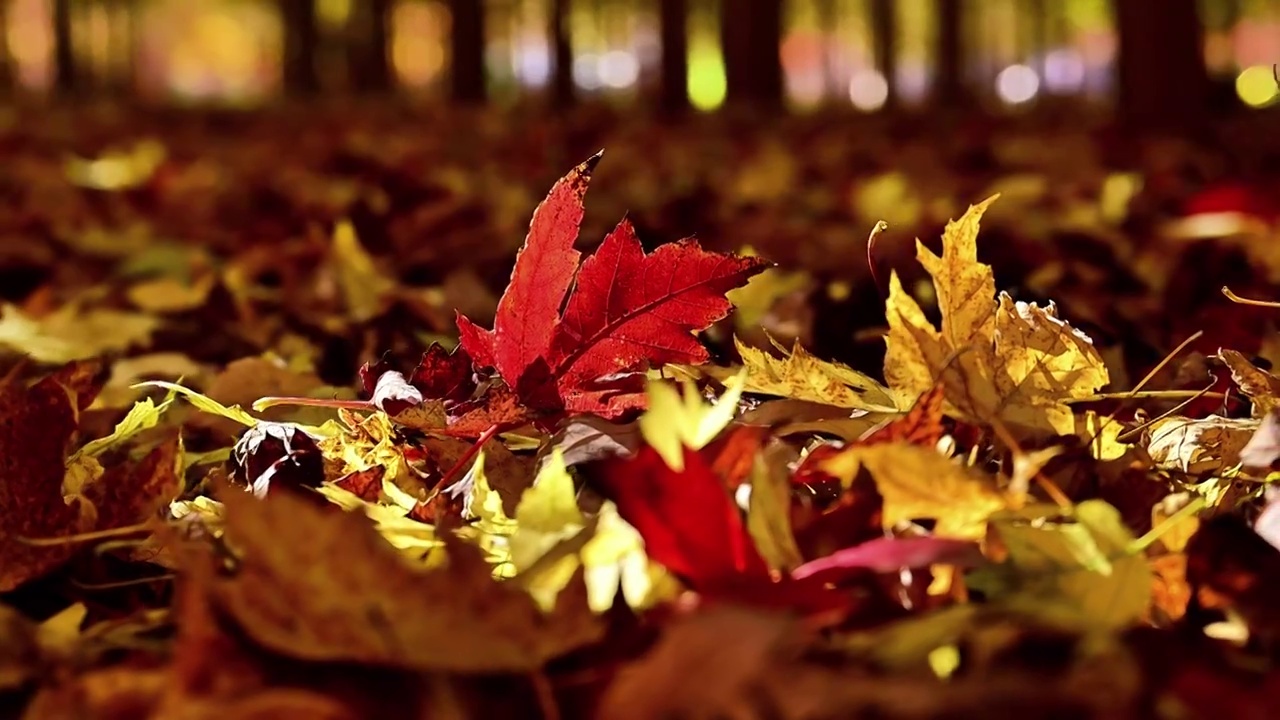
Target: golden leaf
{"points": [[801, 376], [917, 482], [553, 539], [999, 360], [364, 287]]}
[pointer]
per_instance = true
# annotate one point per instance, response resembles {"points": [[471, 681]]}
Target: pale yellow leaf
{"points": [[673, 421]]}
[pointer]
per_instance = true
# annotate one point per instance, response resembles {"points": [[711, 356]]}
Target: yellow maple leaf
{"points": [[753, 301], [1000, 360], [919, 482]]}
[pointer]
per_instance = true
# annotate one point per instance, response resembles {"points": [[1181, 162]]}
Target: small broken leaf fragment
{"points": [[1260, 386]]}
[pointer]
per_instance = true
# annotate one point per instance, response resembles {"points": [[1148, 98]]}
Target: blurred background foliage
{"points": [[1004, 56]]}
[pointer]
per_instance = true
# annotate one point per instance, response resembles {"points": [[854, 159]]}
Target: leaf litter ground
{"points": [[624, 499]]}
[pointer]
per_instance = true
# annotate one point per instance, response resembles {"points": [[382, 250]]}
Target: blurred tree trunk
{"points": [[1163, 81], [467, 83], [673, 31], [952, 92], [301, 41], [751, 37], [7, 75], [368, 58], [562, 88], [884, 32], [66, 74]]}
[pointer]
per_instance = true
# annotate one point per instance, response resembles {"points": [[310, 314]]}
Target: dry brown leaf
{"points": [[1199, 447], [36, 426], [321, 584], [1260, 386]]}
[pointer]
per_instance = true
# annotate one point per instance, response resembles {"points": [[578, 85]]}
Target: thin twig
{"points": [[1131, 433], [83, 537]]}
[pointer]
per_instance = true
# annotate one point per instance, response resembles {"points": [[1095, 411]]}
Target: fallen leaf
{"points": [[365, 289], [35, 432], [1260, 386], [891, 555], [1199, 447], [324, 586], [1000, 360], [1084, 558], [1263, 447], [918, 482], [801, 376], [628, 310], [70, 334], [674, 422]]}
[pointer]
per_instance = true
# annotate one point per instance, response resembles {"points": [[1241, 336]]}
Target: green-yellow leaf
{"points": [[1084, 559], [769, 515], [144, 415]]}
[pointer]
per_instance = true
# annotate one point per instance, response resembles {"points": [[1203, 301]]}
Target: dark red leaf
{"points": [[444, 375], [688, 521]]}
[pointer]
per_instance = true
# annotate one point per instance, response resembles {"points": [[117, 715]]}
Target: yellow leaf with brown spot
{"points": [[801, 376]]}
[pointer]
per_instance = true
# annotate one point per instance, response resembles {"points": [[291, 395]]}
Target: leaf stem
{"points": [[879, 227], [1148, 395], [1196, 505], [464, 462]]}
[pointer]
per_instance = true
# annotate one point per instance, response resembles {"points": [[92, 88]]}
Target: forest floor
{"points": [[737, 444]]}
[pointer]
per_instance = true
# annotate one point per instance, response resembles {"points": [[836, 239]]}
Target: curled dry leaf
{"points": [[1260, 386], [1199, 447]]}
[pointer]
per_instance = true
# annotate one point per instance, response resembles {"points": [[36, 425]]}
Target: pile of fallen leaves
{"points": [[586, 512]]}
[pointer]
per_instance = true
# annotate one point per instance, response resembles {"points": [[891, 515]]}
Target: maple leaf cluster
{"points": [[575, 513]]}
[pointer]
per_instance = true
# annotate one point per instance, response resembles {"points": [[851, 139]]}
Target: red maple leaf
{"points": [[628, 310]]}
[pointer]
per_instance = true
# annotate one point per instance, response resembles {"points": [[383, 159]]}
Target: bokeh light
{"points": [[1017, 84], [868, 90], [1256, 86]]}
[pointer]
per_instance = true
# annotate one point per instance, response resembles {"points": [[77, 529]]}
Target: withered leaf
{"points": [[324, 585], [1260, 386], [36, 426]]}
